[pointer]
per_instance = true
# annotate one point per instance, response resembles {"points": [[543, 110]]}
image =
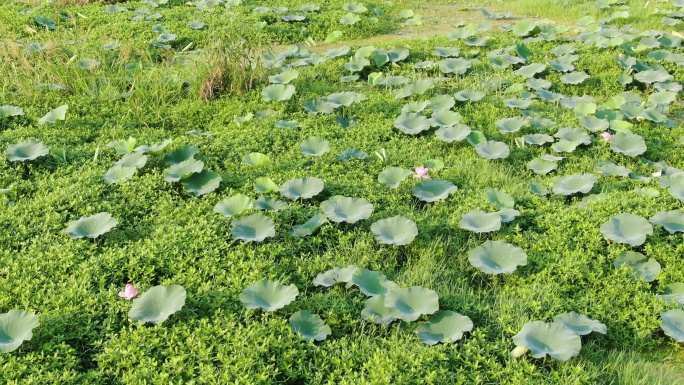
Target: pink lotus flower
{"points": [[129, 292], [606, 136], [421, 173]]}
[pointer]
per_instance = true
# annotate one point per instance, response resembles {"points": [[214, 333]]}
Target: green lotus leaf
{"points": [[355, 6], [375, 311], [253, 228], [476, 137], [480, 222], [372, 283], [445, 118], [553, 339], [565, 146], [610, 168], [92, 226], [201, 183], [587, 200], [195, 24], [469, 95], [310, 8], [573, 184], [88, 64], [391, 81], [242, 119], [646, 268], [647, 192], [529, 71], [351, 154], [335, 275], [499, 198], [444, 326], [345, 99], [265, 185], [508, 125], [309, 326], [562, 64], [234, 206], [53, 116], [287, 124], [580, 324], [45, 22], [541, 166], [154, 149], [345, 209], [315, 146], [16, 326], [182, 170], [462, 33], [393, 176], [653, 76], [255, 159], [673, 324], [458, 66], [412, 302], [292, 18], [492, 149], [270, 204], [442, 103], [447, 51], [9, 111], [166, 37], [672, 221], [397, 230], [475, 41], [594, 124], [497, 257], [350, 19], [654, 115], [508, 214], [571, 134], [135, 160], [278, 92], [302, 188], [525, 28], [412, 123], [518, 103], [673, 292], [268, 295], [627, 228], [628, 144], [434, 164], [123, 146], [119, 173], [433, 190], [310, 226], [453, 133], [180, 155], [538, 139], [538, 189], [28, 150], [575, 77], [662, 98], [669, 181], [157, 304]]}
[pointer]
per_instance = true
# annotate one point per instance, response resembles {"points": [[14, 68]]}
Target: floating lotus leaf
{"points": [[9, 111], [474, 41], [157, 304], [180, 155], [575, 77], [16, 327], [270, 204], [53, 116], [265, 185], [350, 19], [574, 184], [234, 206], [453, 133], [92, 226], [458, 66], [375, 311], [529, 71], [412, 123], [393, 176], [268, 295], [672, 221], [433, 190], [183, 170], [508, 125], [469, 95], [653, 76], [343, 209], [278, 92], [253, 228], [335, 275], [444, 326], [492, 150], [310, 226], [538, 139], [628, 144], [538, 189], [397, 230], [541, 166], [610, 168], [497, 257], [553, 339], [119, 173], [673, 324], [480, 222], [201, 183], [441, 103], [646, 268], [499, 198], [372, 283], [302, 188], [255, 159], [27, 150], [412, 302], [309, 326], [580, 324], [673, 292], [627, 228], [351, 154]]}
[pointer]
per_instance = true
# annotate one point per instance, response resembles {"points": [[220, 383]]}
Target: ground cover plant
{"points": [[226, 191]]}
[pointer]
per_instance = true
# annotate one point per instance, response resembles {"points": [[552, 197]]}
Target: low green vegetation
{"points": [[288, 193]]}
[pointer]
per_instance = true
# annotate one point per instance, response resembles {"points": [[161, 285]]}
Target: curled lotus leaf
{"points": [[270, 204], [183, 170], [181, 154], [445, 118], [628, 143], [53, 116], [372, 283], [265, 185], [268, 295], [157, 304], [509, 125], [284, 77], [673, 324], [455, 133], [573, 184], [315, 146], [433, 190], [344, 209], [672, 221], [497, 257], [28, 150], [538, 139], [309, 326], [16, 326], [538, 189], [673, 292], [412, 123], [444, 326], [255, 159], [393, 176], [554, 339], [580, 324], [575, 77], [469, 95], [278, 92], [480, 222], [412, 302], [310, 226], [335, 275], [153, 149], [508, 214], [530, 70], [612, 169], [397, 230], [541, 166], [375, 311], [234, 206], [492, 150], [442, 103], [627, 228], [646, 268], [201, 183], [351, 154], [302, 188], [92, 226], [499, 198], [119, 173], [253, 228]]}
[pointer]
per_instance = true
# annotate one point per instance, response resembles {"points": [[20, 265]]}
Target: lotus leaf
{"points": [[673, 292], [350, 154], [492, 150], [553, 339], [271, 204], [53, 116], [154, 149], [575, 77], [344, 209], [310, 226], [180, 155], [393, 176], [434, 165], [335, 275], [397, 230], [574, 184], [538, 189], [442, 103], [255, 159], [433, 190], [92, 226], [375, 311], [651, 76], [195, 24], [627, 228], [183, 170], [444, 326], [16, 327], [576, 135], [234, 206], [469, 95], [412, 123], [529, 71], [268, 295], [508, 214], [278, 92], [412, 302], [309, 326], [458, 66], [445, 118], [372, 283], [8, 110], [672, 221], [580, 324], [45, 22], [253, 228], [119, 173], [628, 144], [350, 19], [594, 124], [453, 133], [315, 146], [201, 183], [541, 166], [538, 139], [508, 125], [518, 103], [480, 222], [447, 51], [610, 168], [673, 324], [28, 150], [497, 257], [157, 304], [302, 188], [525, 28]]}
